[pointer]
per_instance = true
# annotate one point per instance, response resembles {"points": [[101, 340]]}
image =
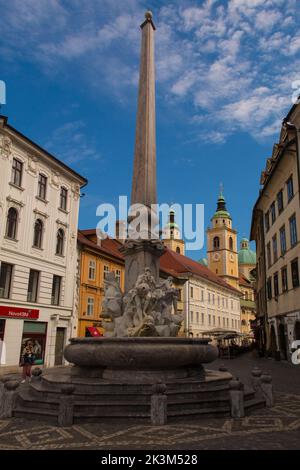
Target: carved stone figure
{"points": [[146, 310], [112, 303]]}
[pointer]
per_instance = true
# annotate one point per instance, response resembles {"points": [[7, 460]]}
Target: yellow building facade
{"points": [[95, 261]]}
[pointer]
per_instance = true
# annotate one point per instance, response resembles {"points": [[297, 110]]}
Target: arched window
{"points": [[230, 243], [178, 250], [11, 223], [38, 234], [216, 242], [60, 238]]}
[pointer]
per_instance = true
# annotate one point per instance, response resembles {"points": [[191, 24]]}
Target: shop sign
{"points": [[8, 311]]}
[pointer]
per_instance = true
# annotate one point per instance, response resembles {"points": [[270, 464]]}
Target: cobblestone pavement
{"points": [[276, 428]]}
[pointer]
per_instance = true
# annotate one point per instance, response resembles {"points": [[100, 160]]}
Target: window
{"points": [[280, 202], [269, 254], [216, 242], [105, 271], [293, 230], [60, 239], [209, 319], [192, 317], [290, 188], [202, 296], [38, 234], [178, 250], [275, 252], [295, 273], [208, 297], [56, 288], [276, 289], [269, 288], [33, 284], [267, 221], [230, 243], [11, 223], [219, 321], [118, 276], [42, 186], [16, 174], [282, 240], [192, 292], [197, 317], [63, 198], [35, 334], [273, 212], [92, 270], [214, 320], [224, 322], [202, 318], [284, 279], [5, 280]]}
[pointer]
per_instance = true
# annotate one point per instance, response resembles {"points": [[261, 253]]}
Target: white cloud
{"points": [[214, 58], [70, 143]]}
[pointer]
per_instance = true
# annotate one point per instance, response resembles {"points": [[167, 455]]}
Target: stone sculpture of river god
{"points": [[148, 309]]}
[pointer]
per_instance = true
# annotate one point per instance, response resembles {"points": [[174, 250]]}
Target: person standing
{"points": [[28, 358]]}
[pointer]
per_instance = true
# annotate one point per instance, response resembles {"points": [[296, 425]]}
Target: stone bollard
{"points": [[237, 398], [3, 380], [256, 379], [159, 401], [66, 406], [36, 375], [267, 389], [9, 398]]}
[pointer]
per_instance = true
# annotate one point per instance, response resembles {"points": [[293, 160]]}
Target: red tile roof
{"points": [[108, 246], [171, 263], [243, 281], [181, 264]]}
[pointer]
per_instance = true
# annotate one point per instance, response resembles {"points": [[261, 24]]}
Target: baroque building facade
{"points": [[39, 204], [275, 228]]}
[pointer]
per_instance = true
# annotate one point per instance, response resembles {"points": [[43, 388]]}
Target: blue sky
{"points": [[224, 82]]}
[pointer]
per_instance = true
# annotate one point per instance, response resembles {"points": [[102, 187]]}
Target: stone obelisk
{"points": [[144, 251]]}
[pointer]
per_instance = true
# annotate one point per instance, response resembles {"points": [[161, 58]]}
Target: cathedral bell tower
{"points": [[171, 235], [222, 251]]}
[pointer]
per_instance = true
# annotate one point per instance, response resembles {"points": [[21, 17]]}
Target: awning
{"points": [[93, 331]]}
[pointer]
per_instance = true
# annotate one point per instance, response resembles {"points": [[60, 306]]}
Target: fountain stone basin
{"points": [[140, 358]]}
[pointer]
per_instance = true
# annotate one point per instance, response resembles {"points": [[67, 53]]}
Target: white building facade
{"points": [[210, 306], [39, 205]]}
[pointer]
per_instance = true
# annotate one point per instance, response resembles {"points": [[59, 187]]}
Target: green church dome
{"points": [[245, 254], [203, 261], [221, 211]]}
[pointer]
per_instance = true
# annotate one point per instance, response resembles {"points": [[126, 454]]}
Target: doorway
{"points": [[273, 346], [297, 331], [59, 346], [2, 329], [282, 342]]}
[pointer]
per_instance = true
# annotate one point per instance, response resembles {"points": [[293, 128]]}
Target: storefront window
{"points": [[34, 336]]}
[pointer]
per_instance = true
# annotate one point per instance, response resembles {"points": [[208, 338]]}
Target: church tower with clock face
{"points": [[222, 254]]}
